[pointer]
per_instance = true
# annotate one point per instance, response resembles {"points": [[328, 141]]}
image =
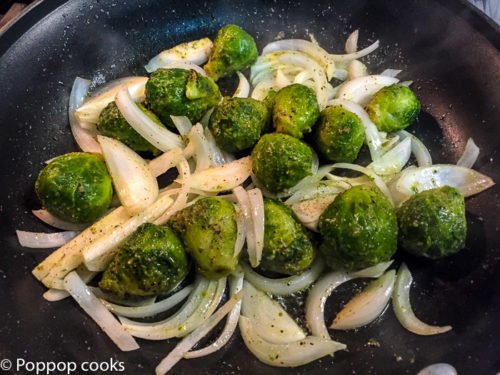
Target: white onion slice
{"points": [[202, 149], [291, 354], [309, 211], [257, 213], [194, 52], [281, 80], [40, 240], [224, 177], [355, 69], [391, 72], [83, 138], [351, 44], [355, 55], [241, 229], [419, 150], [165, 161], [186, 66], [403, 309], [394, 160], [149, 309], [96, 310], [217, 156], [54, 295], [182, 348], [182, 124], [365, 307], [269, 319], [90, 110], [244, 205], [361, 90], [55, 222], [317, 190], [470, 155], [243, 89], [372, 136], [235, 285], [158, 136], [286, 285], [438, 369], [133, 181]]}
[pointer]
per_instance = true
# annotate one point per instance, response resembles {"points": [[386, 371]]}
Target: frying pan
{"points": [[445, 47]]}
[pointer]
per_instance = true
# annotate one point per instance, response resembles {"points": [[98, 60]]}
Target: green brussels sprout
{"points": [[75, 187], [393, 108], [339, 134], [112, 124], [151, 262], [432, 223], [208, 230], [180, 92], [359, 229], [236, 123], [234, 49], [280, 161], [295, 110], [287, 248], [269, 99]]}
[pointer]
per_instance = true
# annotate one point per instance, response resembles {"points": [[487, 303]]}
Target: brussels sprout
{"points": [[113, 124], [237, 123], [393, 108], [75, 187], [339, 134], [432, 223], [279, 161], [180, 92], [287, 248], [151, 262], [295, 110], [234, 49], [208, 230], [359, 229]]}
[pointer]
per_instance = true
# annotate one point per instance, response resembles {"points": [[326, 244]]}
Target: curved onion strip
{"points": [[355, 55], [133, 181], [372, 136], [201, 148], [241, 225], [367, 306], [270, 321], [394, 160], [360, 90], [235, 285], [355, 69], [313, 179], [287, 285], [315, 303], [309, 211], [418, 149], [158, 136], [438, 369], [470, 155], [291, 354], [194, 52], [351, 44], [224, 177], [55, 222], [373, 271], [54, 295], [391, 72], [257, 213], [182, 124], [244, 205], [83, 137], [243, 89], [206, 117], [260, 90], [281, 80], [151, 309], [218, 157], [303, 76], [37, 240], [183, 194], [165, 161], [316, 52], [317, 190], [182, 348], [90, 110], [186, 66], [403, 309], [96, 310], [98, 254]]}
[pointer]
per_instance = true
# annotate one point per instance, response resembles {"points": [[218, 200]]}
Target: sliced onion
{"points": [[317, 190], [403, 309], [351, 44], [361, 90], [206, 117], [257, 213], [53, 295], [368, 305], [165, 161], [194, 52], [355, 69], [55, 222], [149, 309], [183, 347], [286, 285], [217, 156], [373, 271], [90, 110], [438, 369], [309, 211], [224, 177], [182, 124], [158, 136], [418, 149], [133, 181], [244, 205], [201, 147], [241, 225], [235, 285], [186, 66], [243, 89], [83, 137], [261, 90], [391, 72], [281, 80], [355, 55], [95, 309], [372, 136], [37, 240], [291, 354], [470, 155], [394, 160]]}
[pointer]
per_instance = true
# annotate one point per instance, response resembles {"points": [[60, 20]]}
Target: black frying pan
{"points": [[446, 47]]}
